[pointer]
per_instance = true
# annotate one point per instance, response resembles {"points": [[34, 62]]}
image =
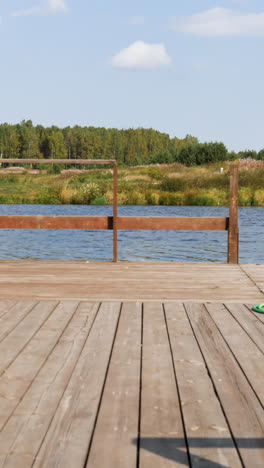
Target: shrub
{"points": [[217, 181], [122, 199], [153, 198], [99, 201], [155, 173], [109, 197], [47, 197], [173, 184], [54, 169], [89, 191], [68, 195], [253, 178], [193, 197], [259, 197], [107, 175], [246, 196], [170, 199], [12, 178], [136, 198]]}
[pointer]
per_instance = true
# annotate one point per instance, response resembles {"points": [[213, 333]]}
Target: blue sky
{"points": [[182, 67]]}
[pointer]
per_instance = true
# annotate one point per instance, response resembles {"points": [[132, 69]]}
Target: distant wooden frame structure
{"points": [[117, 223]]}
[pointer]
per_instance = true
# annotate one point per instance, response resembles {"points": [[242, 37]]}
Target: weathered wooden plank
{"points": [[249, 322], [19, 375], [248, 355], [5, 305], [132, 283], [61, 292], [16, 340], [123, 281], [14, 315], [257, 315], [256, 272], [256, 275], [129, 275], [68, 438], [162, 441], [106, 222], [242, 408], [118, 419], [82, 294], [21, 438], [208, 436], [169, 281], [17, 264]]}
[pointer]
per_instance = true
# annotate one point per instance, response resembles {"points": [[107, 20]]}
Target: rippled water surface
{"points": [[172, 246]]}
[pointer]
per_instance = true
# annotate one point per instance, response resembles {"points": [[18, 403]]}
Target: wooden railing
{"points": [[117, 223]]}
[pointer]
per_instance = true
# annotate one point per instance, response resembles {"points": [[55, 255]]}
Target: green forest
{"points": [[130, 147], [154, 169]]}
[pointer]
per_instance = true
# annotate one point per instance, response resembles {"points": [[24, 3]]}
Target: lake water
{"points": [[140, 246]]}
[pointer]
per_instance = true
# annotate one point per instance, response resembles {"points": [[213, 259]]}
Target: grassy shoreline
{"points": [[168, 185]]}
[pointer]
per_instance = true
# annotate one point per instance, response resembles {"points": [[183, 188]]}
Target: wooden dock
{"points": [[128, 365], [125, 281]]}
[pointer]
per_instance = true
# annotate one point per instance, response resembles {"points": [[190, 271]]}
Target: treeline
{"points": [[129, 147]]}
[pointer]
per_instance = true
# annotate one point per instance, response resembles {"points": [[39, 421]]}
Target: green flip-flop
{"points": [[259, 308]]}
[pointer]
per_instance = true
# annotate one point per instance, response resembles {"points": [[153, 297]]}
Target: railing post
{"points": [[115, 212], [233, 230]]}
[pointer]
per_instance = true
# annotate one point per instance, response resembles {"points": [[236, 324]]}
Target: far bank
{"points": [[164, 185]]}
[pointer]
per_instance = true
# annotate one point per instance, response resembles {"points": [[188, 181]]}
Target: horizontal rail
{"points": [[173, 224], [84, 162], [106, 222]]}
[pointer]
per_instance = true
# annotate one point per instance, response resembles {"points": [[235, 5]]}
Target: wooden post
{"points": [[233, 231], [115, 213]]}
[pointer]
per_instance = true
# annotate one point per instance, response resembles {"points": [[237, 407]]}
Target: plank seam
{"points": [[140, 387], [177, 390], [21, 320], [66, 386], [31, 338], [7, 309], [44, 362], [234, 356], [252, 281], [103, 389], [243, 328], [254, 314], [214, 387]]}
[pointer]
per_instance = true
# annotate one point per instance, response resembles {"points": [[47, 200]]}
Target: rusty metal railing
{"points": [[117, 223]]}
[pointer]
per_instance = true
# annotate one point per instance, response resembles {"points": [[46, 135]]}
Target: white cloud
{"points": [[50, 7], [142, 55], [222, 22]]}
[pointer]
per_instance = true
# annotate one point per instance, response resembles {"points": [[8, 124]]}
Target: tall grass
{"points": [[161, 185]]}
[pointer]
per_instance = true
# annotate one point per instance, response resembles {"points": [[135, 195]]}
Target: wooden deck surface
{"points": [[128, 385], [132, 281]]}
